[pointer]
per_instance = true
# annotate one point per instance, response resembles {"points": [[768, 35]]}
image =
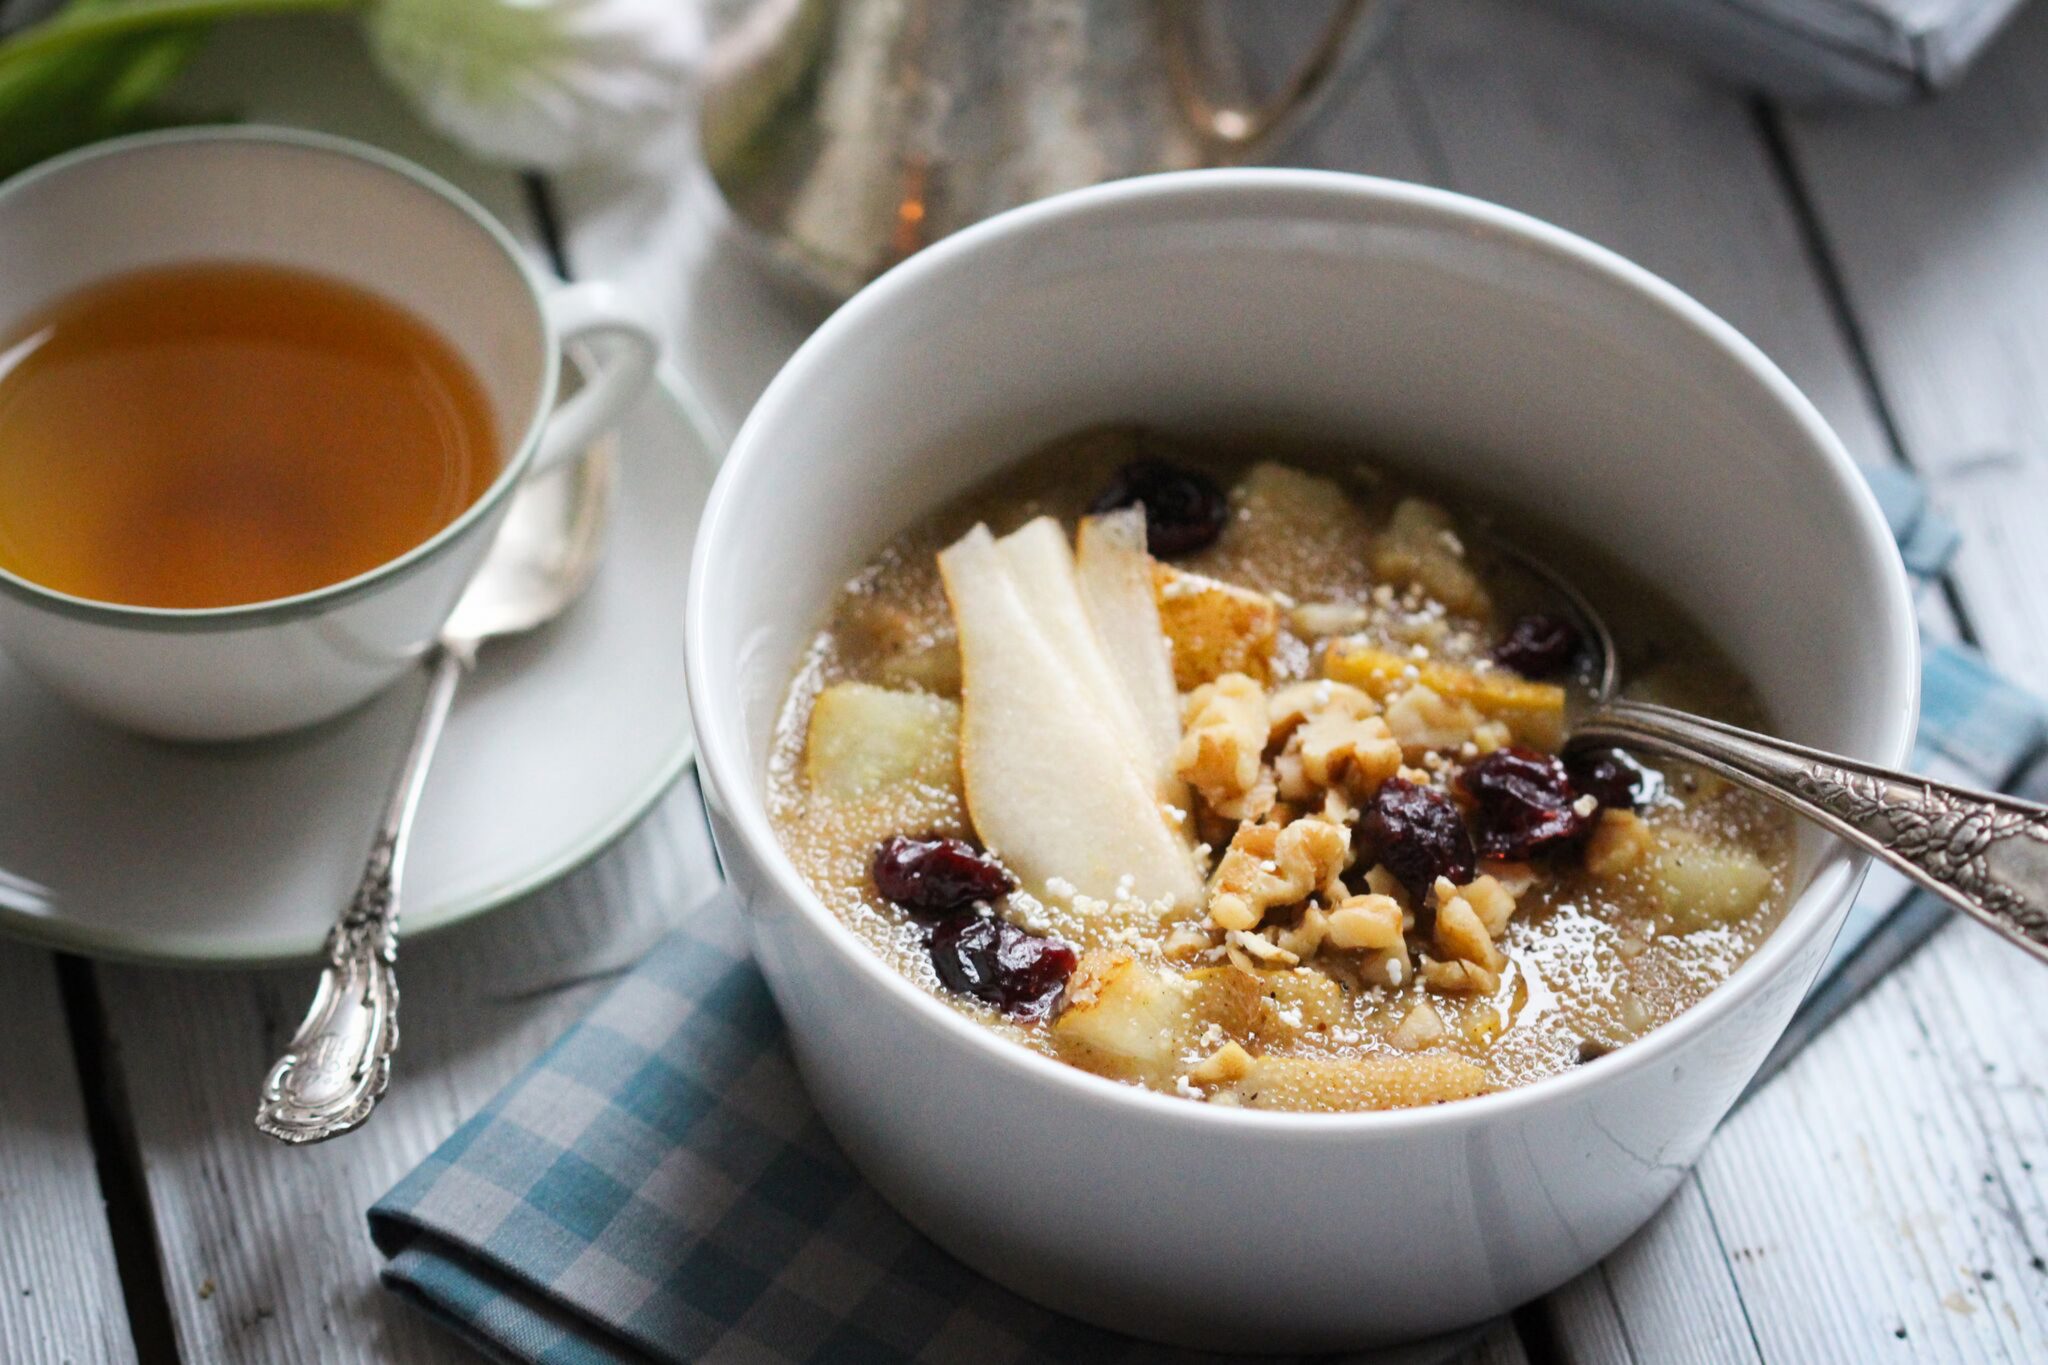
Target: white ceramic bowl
{"points": [[1470, 343]]}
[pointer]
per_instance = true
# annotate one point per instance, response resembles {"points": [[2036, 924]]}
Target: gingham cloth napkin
{"points": [[657, 1187]]}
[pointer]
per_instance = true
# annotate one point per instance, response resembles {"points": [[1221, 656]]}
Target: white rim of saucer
{"points": [[711, 440]]}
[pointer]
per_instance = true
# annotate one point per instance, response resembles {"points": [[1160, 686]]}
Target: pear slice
{"points": [[1052, 786], [1116, 587], [1041, 564]]}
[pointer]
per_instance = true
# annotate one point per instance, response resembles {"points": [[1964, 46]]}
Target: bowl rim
{"points": [[739, 789], [519, 446]]}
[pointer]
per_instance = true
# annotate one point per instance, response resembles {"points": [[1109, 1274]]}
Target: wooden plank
{"points": [[1498, 1346], [1667, 1295], [1591, 132], [60, 1294], [1936, 216], [1879, 1196]]}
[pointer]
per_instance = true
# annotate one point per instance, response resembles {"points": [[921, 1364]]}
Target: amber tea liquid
{"points": [[210, 435]]}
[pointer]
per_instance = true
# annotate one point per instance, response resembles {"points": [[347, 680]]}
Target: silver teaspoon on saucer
{"points": [[339, 1062], [1983, 853]]}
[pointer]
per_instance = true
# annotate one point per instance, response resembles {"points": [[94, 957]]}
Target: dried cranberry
{"points": [[1417, 834], [1184, 511], [1606, 775], [1525, 802], [1539, 646], [933, 878], [997, 963]]}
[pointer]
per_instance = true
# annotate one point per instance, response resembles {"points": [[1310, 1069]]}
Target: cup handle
{"points": [[627, 347]]}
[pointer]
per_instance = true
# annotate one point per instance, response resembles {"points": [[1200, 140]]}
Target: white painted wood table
{"points": [[1885, 1198]]}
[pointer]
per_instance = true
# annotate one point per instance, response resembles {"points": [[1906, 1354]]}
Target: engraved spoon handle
{"points": [[338, 1063], [1986, 854]]}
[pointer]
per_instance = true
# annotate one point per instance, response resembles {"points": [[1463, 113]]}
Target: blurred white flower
{"points": [[539, 82]]}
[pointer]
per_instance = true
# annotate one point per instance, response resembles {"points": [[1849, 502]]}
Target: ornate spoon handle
{"points": [[1986, 854], [338, 1063]]}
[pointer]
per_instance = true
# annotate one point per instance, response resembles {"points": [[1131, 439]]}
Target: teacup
{"points": [[351, 213]]}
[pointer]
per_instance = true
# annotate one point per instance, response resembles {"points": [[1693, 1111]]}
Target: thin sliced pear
{"points": [[1116, 587], [1041, 564], [1051, 786]]}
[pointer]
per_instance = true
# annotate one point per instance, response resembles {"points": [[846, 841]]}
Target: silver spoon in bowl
{"points": [[339, 1062], [1984, 853]]}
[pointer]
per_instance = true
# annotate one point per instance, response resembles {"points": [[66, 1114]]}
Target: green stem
{"points": [[76, 26]]}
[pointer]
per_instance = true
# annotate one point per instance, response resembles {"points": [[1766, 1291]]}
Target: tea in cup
{"points": [[264, 396]]}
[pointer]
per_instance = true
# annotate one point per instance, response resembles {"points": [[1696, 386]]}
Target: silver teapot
{"points": [[847, 134]]}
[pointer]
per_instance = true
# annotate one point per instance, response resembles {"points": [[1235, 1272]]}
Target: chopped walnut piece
{"points": [[1354, 752], [1262, 802], [1270, 865], [1225, 1066], [1491, 901], [1252, 951], [1315, 620], [1334, 740], [1460, 935], [1369, 921], [1290, 778], [1306, 936], [1620, 841], [1380, 881], [1518, 711], [1421, 1027], [1422, 720], [1390, 967], [1183, 941], [1459, 977], [1295, 703], [1515, 878], [1222, 740]]}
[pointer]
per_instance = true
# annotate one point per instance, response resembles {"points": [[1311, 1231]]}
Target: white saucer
{"points": [[125, 847]]}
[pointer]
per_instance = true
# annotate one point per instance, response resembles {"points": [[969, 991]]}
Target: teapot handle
{"points": [[1239, 128]]}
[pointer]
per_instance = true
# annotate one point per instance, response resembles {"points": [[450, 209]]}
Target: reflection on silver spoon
{"points": [[1983, 853]]}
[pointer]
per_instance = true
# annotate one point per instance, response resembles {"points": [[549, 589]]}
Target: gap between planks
{"points": [[60, 1284]]}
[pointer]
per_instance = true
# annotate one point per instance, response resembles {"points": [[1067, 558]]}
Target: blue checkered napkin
{"points": [[657, 1187]]}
